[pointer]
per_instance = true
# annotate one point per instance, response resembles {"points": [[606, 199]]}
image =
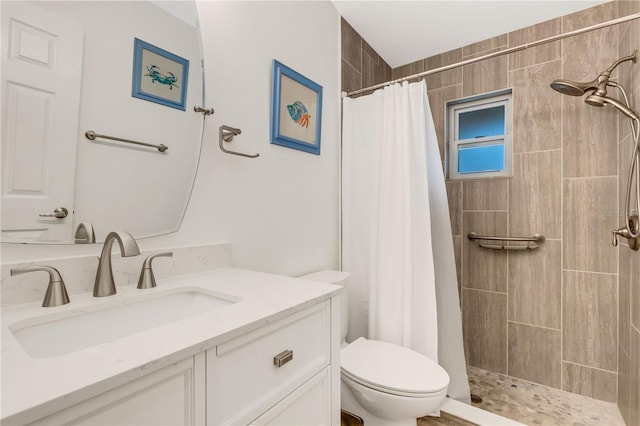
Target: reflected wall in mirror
{"points": [[66, 69]]}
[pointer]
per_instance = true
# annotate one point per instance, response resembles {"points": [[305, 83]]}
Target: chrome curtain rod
{"points": [[501, 52]]}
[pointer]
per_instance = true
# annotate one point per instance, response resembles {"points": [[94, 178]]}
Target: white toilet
{"points": [[383, 383]]}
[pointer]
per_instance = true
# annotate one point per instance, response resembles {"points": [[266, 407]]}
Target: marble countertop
{"points": [[36, 387]]}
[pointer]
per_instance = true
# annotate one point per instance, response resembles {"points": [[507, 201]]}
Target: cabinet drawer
{"points": [[310, 404], [242, 378]]}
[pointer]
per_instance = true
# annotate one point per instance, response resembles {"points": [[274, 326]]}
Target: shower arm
{"points": [[633, 57], [603, 79]]}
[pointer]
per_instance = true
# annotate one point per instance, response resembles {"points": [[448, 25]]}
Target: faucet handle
{"points": [[615, 233], [629, 232], [56, 294], [147, 279]]}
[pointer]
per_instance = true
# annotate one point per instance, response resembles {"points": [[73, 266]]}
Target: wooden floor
{"points": [[445, 419]]}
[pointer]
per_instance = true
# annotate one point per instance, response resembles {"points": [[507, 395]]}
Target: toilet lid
{"points": [[391, 367]]}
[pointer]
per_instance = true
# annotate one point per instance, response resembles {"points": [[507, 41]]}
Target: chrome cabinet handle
{"points": [[56, 294], [59, 213], [282, 358]]}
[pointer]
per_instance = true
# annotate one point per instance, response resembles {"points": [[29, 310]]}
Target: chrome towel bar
{"points": [[91, 135], [531, 242]]}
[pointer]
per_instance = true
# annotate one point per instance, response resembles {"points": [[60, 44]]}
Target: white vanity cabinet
{"points": [[272, 357], [245, 385], [173, 395]]}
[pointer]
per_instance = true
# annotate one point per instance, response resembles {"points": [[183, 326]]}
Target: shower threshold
{"points": [[466, 415]]}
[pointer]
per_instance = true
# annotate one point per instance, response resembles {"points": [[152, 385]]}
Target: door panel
{"points": [[41, 80]]}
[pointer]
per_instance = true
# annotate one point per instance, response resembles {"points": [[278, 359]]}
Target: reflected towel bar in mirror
{"points": [[91, 135], [531, 242]]}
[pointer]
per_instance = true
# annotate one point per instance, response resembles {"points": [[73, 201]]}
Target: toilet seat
{"points": [[392, 369]]}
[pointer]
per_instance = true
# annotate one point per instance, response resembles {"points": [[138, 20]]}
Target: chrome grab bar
{"points": [[537, 238], [504, 247], [91, 135]]}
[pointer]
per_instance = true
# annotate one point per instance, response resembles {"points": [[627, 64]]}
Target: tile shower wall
{"points": [[361, 65], [628, 261], [568, 314]]}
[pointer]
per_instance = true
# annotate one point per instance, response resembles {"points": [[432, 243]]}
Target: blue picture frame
{"points": [[296, 110], [159, 76]]}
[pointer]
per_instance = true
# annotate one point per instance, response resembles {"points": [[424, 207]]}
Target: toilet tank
{"points": [[337, 278]]}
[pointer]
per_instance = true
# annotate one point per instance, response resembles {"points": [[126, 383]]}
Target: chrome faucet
{"points": [[56, 294], [105, 285]]}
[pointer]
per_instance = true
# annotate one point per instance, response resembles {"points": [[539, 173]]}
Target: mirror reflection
{"points": [[69, 68]]}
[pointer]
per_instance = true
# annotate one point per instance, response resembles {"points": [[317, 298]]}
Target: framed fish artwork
{"points": [[296, 110], [159, 76]]}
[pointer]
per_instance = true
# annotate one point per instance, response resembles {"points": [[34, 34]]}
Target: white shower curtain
{"points": [[395, 213]]}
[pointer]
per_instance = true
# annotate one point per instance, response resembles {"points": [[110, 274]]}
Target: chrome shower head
{"points": [[572, 88], [568, 87], [597, 86], [595, 100], [600, 101]]}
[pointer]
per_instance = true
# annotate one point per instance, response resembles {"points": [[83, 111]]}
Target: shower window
{"points": [[479, 136]]}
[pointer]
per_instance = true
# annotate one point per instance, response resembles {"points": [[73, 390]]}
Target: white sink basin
{"points": [[65, 332]]}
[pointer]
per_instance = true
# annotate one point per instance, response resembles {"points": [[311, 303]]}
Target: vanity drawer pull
{"points": [[282, 358]]}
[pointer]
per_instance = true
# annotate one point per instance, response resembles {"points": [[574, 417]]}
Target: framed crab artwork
{"points": [[296, 110], [159, 76]]}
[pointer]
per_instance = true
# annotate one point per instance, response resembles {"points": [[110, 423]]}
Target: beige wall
{"points": [[550, 315]]}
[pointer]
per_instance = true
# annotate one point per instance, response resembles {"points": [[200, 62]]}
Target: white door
{"points": [[41, 79]]}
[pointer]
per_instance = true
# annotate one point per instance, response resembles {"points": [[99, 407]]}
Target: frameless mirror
{"points": [[69, 67]]}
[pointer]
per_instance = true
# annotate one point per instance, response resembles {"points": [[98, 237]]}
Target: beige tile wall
{"points": [[361, 65], [567, 315], [628, 385]]}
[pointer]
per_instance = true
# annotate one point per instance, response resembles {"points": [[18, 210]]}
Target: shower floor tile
{"points": [[535, 404]]}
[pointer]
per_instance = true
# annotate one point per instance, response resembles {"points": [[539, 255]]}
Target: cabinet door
{"points": [[310, 404], [171, 396]]}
